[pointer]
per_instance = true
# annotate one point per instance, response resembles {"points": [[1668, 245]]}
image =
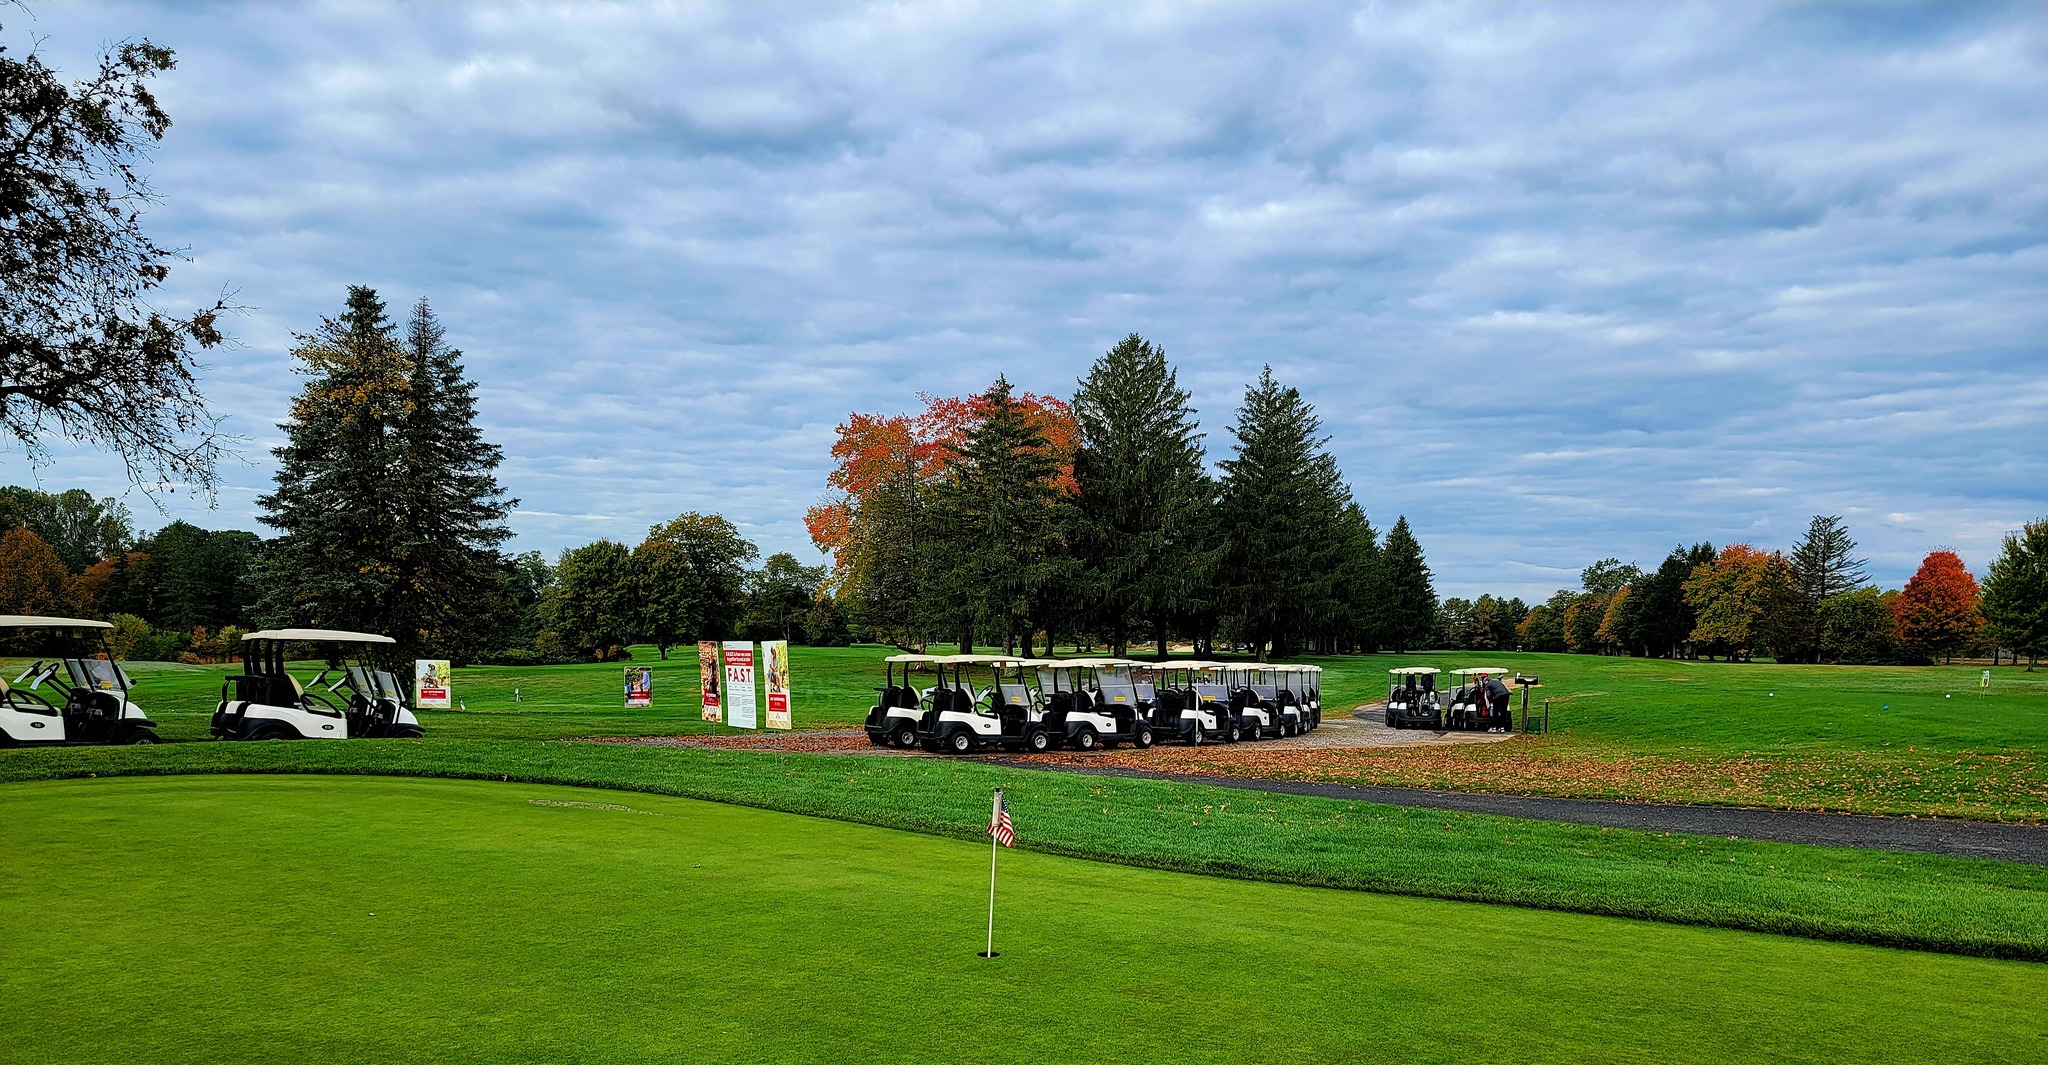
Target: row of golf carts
{"points": [[968, 702], [80, 694]]}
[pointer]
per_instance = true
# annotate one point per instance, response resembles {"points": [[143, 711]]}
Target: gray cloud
{"points": [[1564, 281]]}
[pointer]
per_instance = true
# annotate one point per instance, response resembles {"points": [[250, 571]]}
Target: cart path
{"points": [[1964, 839]]}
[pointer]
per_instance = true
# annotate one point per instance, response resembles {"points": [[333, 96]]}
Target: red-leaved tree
{"points": [[1940, 610]]}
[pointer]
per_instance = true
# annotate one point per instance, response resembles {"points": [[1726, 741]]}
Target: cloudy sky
{"points": [[1563, 281]]}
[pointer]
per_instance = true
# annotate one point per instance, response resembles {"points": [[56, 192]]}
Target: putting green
{"points": [[221, 919]]}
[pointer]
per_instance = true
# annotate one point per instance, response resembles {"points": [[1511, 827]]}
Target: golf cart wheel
{"points": [[139, 735], [1037, 742], [1085, 740], [1233, 734], [1195, 736], [879, 741], [904, 737], [960, 741], [268, 732], [1143, 739]]}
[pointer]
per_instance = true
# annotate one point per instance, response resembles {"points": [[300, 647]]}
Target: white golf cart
{"points": [[1481, 703], [91, 704], [1093, 702], [345, 700], [1296, 684], [1256, 694], [892, 721], [1412, 700], [981, 701], [1193, 704]]}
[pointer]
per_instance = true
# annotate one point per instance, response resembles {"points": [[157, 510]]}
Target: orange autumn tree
{"points": [[875, 522], [1940, 610], [1738, 598]]}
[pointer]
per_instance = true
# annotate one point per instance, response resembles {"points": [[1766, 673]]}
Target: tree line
{"points": [[1814, 603], [1019, 520]]}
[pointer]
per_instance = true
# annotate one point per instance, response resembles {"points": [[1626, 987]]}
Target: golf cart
{"points": [[1092, 702], [351, 700], [1297, 690], [1192, 704], [92, 692], [1481, 702], [892, 721], [1412, 700], [962, 717]]}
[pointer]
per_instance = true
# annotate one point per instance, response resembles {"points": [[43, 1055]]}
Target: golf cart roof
{"points": [[1184, 663], [988, 660], [913, 658], [1414, 671], [1098, 663], [1481, 671], [30, 621], [318, 635]]}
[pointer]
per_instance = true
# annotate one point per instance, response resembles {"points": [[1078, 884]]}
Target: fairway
{"points": [[276, 918]]}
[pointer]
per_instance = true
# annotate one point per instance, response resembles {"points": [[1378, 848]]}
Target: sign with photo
{"points": [[775, 660], [707, 680], [432, 685], [739, 684], [639, 686]]}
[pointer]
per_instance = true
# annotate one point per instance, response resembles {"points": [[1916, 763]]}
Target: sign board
{"points": [[775, 659], [707, 680], [739, 684], [639, 686], [432, 684], [1986, 682]]}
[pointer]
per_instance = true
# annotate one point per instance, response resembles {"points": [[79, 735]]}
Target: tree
{"points": [[118, 584], [32, 577], [83, 354], [1542, 630], [1609, 575], [691, 574], [781, 596], [1281, 492], [1825, 565], [1614, 621], [1661, 620], [1357, 588], [995, 510], [593, 610], [1735, 599], [386, 491], [1582, 617], [334, 565], [81, 529], [447, 508], [2016, 593], [1939, 612], [198, 577], [1409, 598], [1454, 624], [1859, 627], [1140, 490]]}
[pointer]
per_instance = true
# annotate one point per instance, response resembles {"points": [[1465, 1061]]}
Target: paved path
{"points": [[1968, 839]]}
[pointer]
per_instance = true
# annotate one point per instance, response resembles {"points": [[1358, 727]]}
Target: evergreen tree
{"points": [[2016, 593], [331, 568], [1661, 623], [1357, 582], [1410, 599], [996, 507], [1825, 566], [1281, 494], [386, 492], [1141, 490], [198, 577]]}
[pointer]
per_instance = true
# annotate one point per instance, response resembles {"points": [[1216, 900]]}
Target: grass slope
{"points": [[266, 919], [1922, 901]]}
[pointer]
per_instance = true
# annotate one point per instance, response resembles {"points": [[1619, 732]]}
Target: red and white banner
{"points": [[639, 686], [775, 658], [739, 684], [707, 679]]}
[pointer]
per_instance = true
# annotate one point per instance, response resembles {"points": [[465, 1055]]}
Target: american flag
{"points": [[999, 824]]}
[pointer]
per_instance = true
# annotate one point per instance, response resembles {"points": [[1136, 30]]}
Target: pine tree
{"points": [[1358, 586], [1141, 490], [1825, 564], [447, 506], [995, 509], [1281, 494], [2016, 593], [1409, 602], [386, 491], [332, 567]]}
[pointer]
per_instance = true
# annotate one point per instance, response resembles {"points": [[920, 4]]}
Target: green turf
{"points": [[1855, 738], [1925, 901], [273, 919]]}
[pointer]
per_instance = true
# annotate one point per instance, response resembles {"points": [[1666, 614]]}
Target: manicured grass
{"points": [[1847, 738], [275, 919], [1923, 901]]}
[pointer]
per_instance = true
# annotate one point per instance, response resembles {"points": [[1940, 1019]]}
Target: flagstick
{"points": [[991, 951]]}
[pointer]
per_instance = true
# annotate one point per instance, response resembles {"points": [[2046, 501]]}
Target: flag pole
{"points": [[990, 950]]}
